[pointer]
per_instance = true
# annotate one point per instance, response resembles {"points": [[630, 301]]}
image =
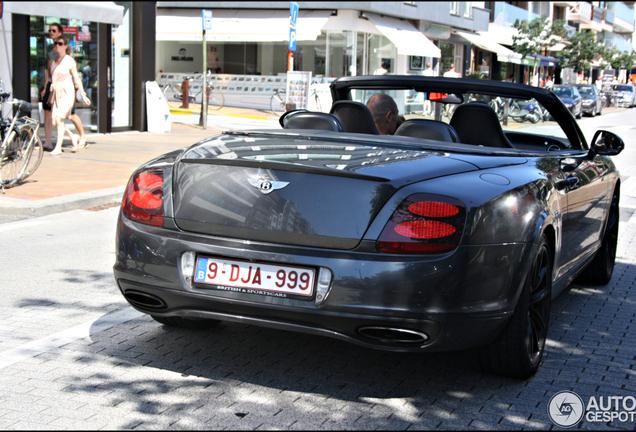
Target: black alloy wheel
{"points": [[517, 351]]}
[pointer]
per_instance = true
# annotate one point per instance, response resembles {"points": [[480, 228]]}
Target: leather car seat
{"points": [[477, 123], [355, 117], [428, 129], [314, 120]]}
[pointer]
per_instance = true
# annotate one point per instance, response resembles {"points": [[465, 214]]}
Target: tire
{"points": [[534, 118], [13, 160], [216, 100], [177, 97], [600, 270], [517, 351], [277, 103], [35, 151], [187, 323]]}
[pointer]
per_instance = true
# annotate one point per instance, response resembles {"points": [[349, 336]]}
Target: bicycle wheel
{"points": [[13, 162], [33, 151], [173, 95], [277, 103], [216, 100]]}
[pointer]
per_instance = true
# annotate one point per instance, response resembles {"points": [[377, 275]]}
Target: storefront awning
{"points": [[548, 61], [504, 54], [94, 11], [407, 39], [238, 25]]}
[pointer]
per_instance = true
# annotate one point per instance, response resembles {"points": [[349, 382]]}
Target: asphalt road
{"points": [[74, 355]]}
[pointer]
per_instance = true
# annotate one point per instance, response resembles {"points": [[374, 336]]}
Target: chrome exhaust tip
{"points": [[390, 335], [144, 300]]}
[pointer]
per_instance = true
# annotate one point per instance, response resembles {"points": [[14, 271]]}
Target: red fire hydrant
{"points": [[185, 93]]}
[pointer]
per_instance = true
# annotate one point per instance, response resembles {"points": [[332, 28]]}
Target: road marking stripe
{"points": [[56, 340], [19, 225]]}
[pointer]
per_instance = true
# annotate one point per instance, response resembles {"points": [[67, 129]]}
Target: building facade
{"points": [[111, 42]]}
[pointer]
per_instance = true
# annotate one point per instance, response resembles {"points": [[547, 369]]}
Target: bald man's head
{"points": [[384, 111]]}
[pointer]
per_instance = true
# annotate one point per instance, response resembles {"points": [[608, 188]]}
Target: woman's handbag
{"points": [[51, 100], [79, 97]]}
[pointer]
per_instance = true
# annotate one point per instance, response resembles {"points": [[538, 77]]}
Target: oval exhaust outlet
{"points": [[393, 335], [144, 300]]}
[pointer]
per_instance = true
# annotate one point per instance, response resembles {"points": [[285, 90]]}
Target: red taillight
{"points": [[143, 200], [424, 223], [433, 209], [425, 229]]}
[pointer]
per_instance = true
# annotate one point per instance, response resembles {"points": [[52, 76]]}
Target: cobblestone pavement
{"points": [[73, 355]]}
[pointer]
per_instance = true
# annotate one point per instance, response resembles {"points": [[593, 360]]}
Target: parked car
{"points": [[444, 236], [624, 95], [571, 98], [592, 102]]}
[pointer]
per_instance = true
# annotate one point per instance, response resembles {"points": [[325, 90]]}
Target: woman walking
{"points": [[64, 72]]}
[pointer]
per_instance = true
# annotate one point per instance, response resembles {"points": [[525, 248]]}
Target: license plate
{"points": [[255, 278]]}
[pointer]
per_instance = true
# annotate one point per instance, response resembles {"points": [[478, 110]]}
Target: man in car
{"points": [[385, 113]]}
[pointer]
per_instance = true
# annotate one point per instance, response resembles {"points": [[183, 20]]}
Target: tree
{"points": [[537, 37], [581, 51]]}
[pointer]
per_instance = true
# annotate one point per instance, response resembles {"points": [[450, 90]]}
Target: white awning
{"points": [[94, 11], [504, 54], [238, 25], [407, 39]]}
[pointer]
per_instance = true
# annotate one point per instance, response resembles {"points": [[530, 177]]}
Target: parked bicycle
{"points": [[278, 101], [173, 93], [21, 150]]}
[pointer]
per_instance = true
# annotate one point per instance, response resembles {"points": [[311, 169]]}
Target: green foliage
{"points": [[537, 36], [581, 51], [476, 75], [618, 59]]}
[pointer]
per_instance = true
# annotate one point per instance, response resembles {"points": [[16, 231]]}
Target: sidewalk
{"points": [[98, 174]]}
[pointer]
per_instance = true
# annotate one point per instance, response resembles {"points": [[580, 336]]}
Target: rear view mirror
{"points": [[607, 143]]}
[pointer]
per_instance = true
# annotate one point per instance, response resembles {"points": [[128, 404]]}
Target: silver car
{"points": [[624, 95]]}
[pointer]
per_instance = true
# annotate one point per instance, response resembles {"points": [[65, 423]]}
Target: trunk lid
{"points": [[296, 190]]}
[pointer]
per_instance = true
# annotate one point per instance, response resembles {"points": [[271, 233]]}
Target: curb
{"points": [[79, 201]]}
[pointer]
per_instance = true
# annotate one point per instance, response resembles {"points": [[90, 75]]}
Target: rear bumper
{"points": [[454, 301]]}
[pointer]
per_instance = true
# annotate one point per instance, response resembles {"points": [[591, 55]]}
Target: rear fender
{"points": [[500, 207]]}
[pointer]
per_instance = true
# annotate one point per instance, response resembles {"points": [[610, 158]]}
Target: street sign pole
{"points": [[203, 119], [293, 16], [206, 15]]}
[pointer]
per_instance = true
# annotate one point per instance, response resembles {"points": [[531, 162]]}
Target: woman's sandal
{"points": [[82, 143], [74, 141]]}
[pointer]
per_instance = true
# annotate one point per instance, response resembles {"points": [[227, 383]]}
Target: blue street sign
{"points": [[293, 14], [292, 39], [207, 19]]}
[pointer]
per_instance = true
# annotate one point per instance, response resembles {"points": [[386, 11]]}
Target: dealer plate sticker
{"points": [[255, 278]]}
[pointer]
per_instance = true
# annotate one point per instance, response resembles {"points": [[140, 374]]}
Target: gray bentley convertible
{"points": [[455, 232]]}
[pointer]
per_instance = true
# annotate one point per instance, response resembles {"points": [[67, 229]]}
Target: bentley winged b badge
{"points": [[267, 186]]}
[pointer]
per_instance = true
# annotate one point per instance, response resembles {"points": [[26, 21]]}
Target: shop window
{"points": [[82, 36], [381, 51]]}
